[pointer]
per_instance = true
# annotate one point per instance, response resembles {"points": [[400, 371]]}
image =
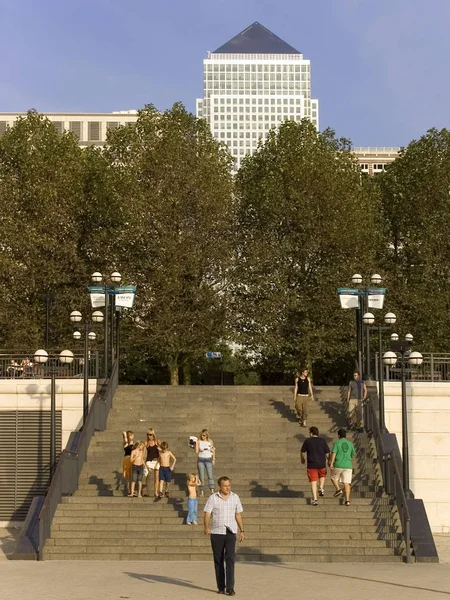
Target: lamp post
{"points": [[41, 357], [76, 317], [389, 319], [365, 299], [403, 348], [107, 289]]}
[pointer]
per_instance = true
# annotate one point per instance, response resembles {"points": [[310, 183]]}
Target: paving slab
{"points": [[60, 580], [8, 540]]}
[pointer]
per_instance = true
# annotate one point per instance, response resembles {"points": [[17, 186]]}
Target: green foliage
{"points": [[306, 221], [415, 192], [175, 187], [254, 259], [41, 195]]}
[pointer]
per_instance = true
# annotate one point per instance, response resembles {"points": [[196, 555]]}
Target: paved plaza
{"points": [[82, 580]]}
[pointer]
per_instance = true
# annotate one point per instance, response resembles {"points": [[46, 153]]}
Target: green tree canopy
{"points": [[41, 195], [307, 220], [177, 240], [415, 192]]}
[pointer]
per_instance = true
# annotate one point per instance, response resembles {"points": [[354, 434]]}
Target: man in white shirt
{"points": [[226, 510]]}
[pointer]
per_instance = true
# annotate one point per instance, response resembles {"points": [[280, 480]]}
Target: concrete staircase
{"points": [[258, 445]]}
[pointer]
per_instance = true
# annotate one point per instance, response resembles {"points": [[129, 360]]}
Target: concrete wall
{"points": [[429, 443], [34, 394]]}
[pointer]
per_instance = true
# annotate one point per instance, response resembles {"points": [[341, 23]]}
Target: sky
{"points": [[379, 67]]}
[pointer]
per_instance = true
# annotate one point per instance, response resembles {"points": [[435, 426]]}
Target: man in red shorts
{"points": [[315, 450]]}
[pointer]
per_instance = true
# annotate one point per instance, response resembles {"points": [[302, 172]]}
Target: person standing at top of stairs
{"points": [[302, 393]]}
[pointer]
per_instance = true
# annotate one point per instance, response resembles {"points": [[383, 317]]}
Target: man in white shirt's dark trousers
{"points": [[226, 510]]}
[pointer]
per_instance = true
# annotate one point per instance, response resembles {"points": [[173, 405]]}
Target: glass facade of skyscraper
{"points": [[246, 94]]}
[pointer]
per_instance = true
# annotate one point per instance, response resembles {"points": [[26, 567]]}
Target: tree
{"points": [[41, 192], [177, 240], [415, 193], [307, 220]]}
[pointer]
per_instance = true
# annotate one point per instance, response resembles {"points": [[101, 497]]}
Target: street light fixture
{"points": [[116, 278], [372, 298], [66, 358], [403, 348], [394, 337], [389, 319], [76, 317]]}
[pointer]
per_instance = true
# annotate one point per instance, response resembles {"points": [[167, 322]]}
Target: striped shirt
{"points": [[223, 512]]}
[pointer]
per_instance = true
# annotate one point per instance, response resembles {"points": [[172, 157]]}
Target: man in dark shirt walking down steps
{"points": [[316, 452]]}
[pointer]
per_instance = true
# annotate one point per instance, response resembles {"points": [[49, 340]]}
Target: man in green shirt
{"points": [[341, 465]]}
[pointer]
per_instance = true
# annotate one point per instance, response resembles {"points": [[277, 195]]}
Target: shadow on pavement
{"points": [[168, 580]]}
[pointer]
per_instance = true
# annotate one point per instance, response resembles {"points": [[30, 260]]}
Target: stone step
{"points": [[258, 441], [159, 510], [284, 546], [170, 525], [250, 536], [269, 558], [244, 494], [285, 501]]}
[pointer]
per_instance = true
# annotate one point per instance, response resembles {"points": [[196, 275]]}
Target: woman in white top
{"points": [[206, 457]]}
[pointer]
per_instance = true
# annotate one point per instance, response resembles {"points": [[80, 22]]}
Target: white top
{"points": [[204, 449], [223, 512]]}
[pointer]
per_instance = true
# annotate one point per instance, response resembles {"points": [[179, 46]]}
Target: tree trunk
{"points": [[186, 375], [174, 374]]}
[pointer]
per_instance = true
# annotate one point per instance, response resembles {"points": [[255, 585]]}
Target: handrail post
{"points": [[408, 540], [432, 366]]}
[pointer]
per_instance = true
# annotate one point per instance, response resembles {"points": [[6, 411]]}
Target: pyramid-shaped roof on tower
{"points": [[256, 39]]}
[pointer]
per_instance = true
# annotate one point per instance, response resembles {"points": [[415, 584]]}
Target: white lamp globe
{"points": [[41, 356], [357, 279], [77, 335], [368, 318], [91, 335], [389, 358], [66, 357], [97, 316], [394, 337], [116, 277], [75, 316], [375, 279], [415, 358], [390, 318], [96, 277], [409, 337]]}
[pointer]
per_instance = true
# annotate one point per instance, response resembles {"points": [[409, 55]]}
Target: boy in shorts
{"points": [[341, 465], [315, 450], [167, 463], [138, 461]]}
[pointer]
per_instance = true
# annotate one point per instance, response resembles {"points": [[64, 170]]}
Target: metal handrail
{"points": [[20, 365], [65, 479], [391, 472], [435, 367]]}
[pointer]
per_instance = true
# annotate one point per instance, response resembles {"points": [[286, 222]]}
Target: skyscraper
{"points": [[251, 84]]}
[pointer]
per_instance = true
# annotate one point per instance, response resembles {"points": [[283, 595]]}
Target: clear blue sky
{"points": [[379, 67]]}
